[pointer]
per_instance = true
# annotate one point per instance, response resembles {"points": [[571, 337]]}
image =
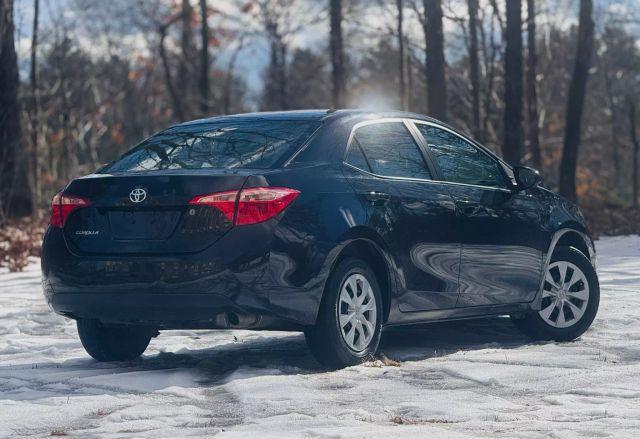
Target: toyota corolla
{"points": [[335, 223]]}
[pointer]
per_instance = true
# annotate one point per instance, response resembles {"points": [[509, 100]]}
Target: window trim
{"points": [[499, 162], [406, 122]]}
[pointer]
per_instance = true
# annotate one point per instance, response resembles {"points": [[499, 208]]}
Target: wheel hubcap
{"points": [[357, 312], [565, 295]]}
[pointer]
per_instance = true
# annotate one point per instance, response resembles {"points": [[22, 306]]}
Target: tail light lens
{"points": [[63, 205], [249, 206], [225, 202]]}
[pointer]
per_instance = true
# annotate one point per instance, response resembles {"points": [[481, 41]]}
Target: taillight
{"points": [[249, 206], [63, 205], [225, 202]]}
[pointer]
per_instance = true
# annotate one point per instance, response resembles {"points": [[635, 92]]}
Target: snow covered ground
{"points": [[464, 379]]}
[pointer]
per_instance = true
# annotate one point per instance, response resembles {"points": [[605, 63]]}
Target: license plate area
{"points": [[143, 225]]}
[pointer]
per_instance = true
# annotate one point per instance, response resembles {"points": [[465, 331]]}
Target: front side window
{"points": [[460, 161], [389, 149], [256, 144]]}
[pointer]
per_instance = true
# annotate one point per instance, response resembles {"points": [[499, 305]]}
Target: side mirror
{"points": [[526, 177]]}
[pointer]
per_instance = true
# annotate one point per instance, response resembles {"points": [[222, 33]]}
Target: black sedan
{"points": [[335, 223]]}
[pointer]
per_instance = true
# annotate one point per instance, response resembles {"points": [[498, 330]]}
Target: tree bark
{"points": [[575, 101], [402, 61], [513, 75], [204, 59], [435, 61], [173, 94], [532, 89], [35, 112], [636, 152], [337, 54], [276, 85], [15, 198], [474, 70], [613, 120], [186, 45]]}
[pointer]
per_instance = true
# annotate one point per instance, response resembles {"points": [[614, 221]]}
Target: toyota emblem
{"points": [[138, 195]]}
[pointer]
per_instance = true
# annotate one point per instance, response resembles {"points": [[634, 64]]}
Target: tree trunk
{"points": [[435, 61], [474, 69], [532, 89], [276, 84], [402, 61], [337, 54], [228, 83], [177, 103], [204, 59], [636, 151], [513, 76], [15, 199], [575, 101], [184, 70], [613, 120], [35, 113]]}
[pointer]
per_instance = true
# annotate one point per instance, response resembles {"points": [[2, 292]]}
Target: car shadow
{"points": [[420, 342], [258, 356]]}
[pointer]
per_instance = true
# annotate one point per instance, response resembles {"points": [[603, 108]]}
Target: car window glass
{"points": [[391, 150], [356, 158], [222, 145], [460, 161]]}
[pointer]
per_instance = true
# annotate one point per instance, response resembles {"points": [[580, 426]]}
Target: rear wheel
{"points": [[350, 319], [570, 299], [113, 343]]}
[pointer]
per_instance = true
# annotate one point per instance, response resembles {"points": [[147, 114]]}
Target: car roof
{"points": [[313, 115]]}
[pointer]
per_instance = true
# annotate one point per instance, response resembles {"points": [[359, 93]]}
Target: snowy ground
{"points": [[464, 379]]}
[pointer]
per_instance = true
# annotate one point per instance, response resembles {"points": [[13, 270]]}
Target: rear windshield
{"points": [[259, 144]]}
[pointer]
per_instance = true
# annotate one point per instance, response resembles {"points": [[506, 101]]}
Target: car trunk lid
{"points": [[149, 213]]}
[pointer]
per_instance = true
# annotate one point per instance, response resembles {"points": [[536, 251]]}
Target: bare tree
{"points": [[575, 100], [175, 99], [435, 61], [204, 58], [230, 76], [276, 81], [186, 45], [532, 89], [636, 152], [474, 68], [402, 58], [337, 54], [513, 75], [35, 112], [14, 199], [490, 50]]}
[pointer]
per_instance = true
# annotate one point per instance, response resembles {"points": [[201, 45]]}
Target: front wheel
{"points": [[113, 343], [570, 299], [350, 319]]}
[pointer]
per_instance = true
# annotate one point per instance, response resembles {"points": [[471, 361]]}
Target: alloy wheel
{"points": [[357, 312], [565, 295]]}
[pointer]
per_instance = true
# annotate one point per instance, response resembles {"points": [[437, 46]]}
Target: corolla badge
{"points": [[138, 195], [87, 232]]}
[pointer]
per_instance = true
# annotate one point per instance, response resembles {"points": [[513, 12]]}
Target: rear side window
{"points": [[256, 144], [390, 151], [460, 161]]}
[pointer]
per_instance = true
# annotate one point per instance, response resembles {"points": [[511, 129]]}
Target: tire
{"points": [[535, 325], [113, 343], [326, 340]]}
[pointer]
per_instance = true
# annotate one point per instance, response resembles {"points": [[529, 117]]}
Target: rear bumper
{"points": [[230, 284], [163, 310]]}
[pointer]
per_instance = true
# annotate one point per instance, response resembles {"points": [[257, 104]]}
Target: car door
{"points": [[500, 228], [413, 213]]}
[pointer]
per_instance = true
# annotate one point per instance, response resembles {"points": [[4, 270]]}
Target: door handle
{"points": [[377, 198]]}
